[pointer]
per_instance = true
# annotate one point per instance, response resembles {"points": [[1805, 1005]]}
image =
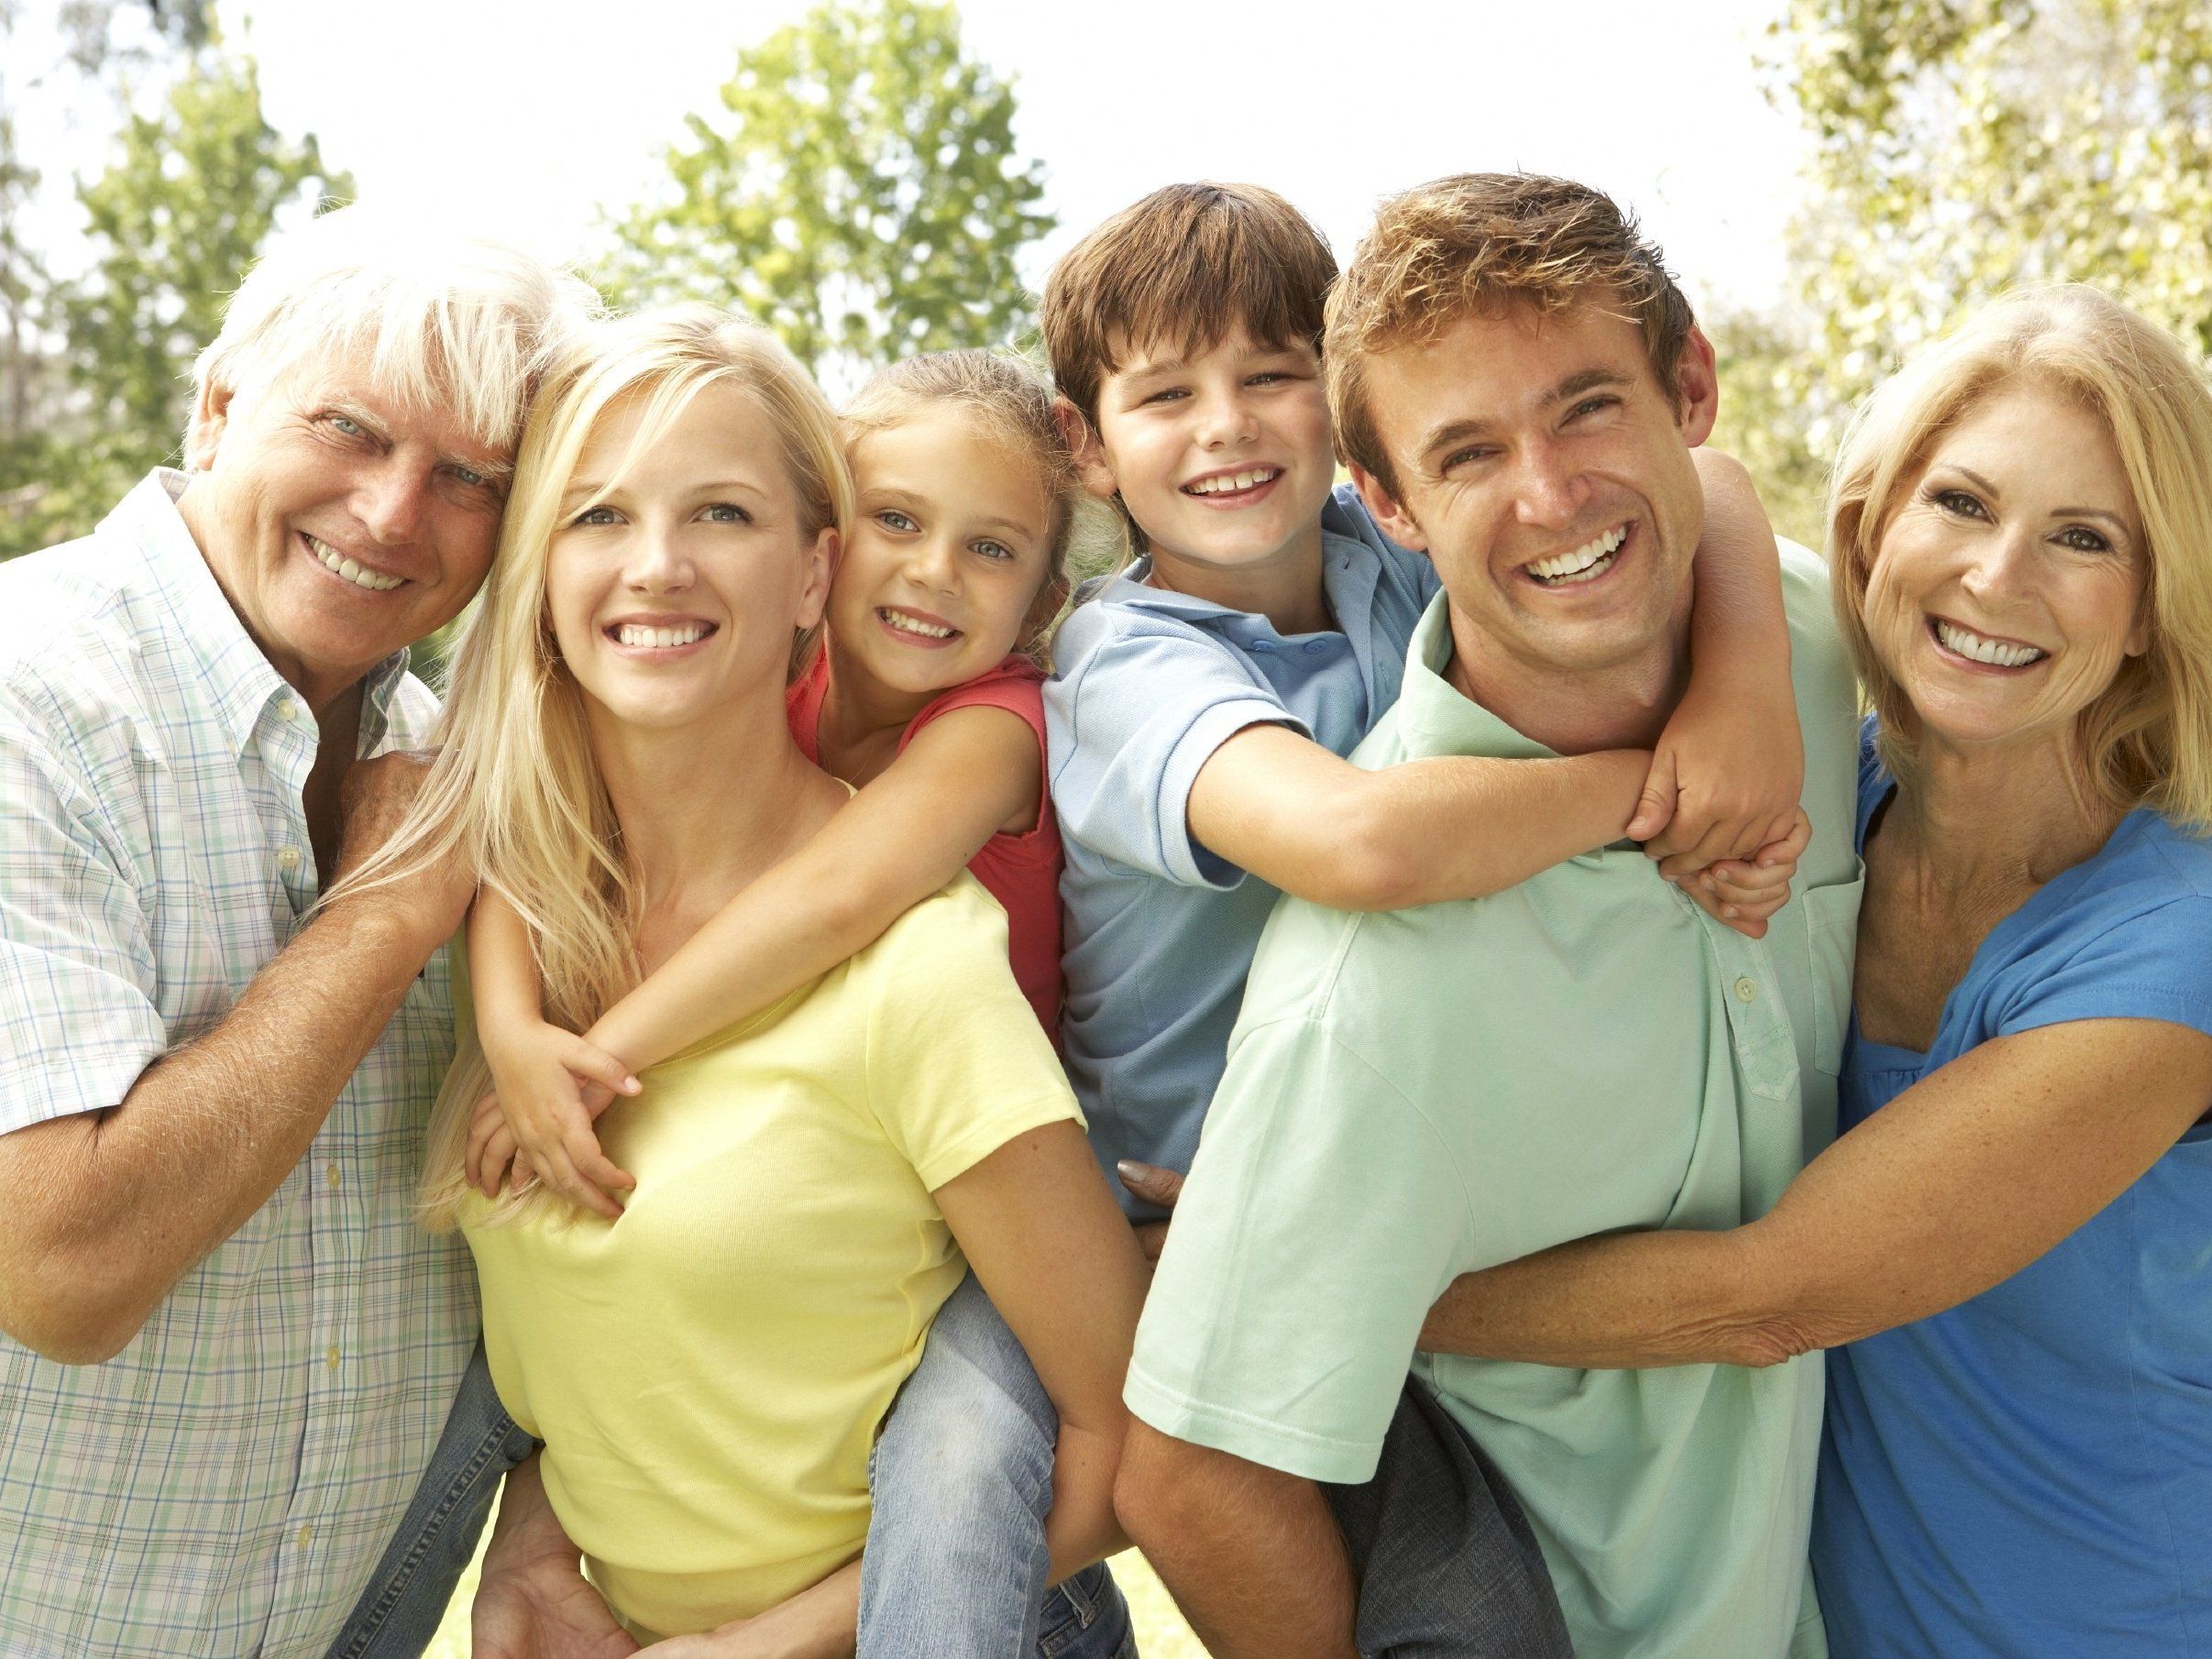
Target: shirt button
{"points": [[289, 858], [334, 1174], [1747, 989], [1260, 647], [1315, 647], [332, 1359], [307, 1535], [288, 709]]}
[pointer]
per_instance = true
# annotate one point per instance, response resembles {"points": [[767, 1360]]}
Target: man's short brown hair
{"points": [[1479, 242], [1187, 266]]}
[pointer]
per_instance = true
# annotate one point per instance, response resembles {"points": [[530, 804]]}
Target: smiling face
{"points": [[1224, 460], [2007, 589], [679, 572], [341, 523], [1546, 473], [950, 553]]}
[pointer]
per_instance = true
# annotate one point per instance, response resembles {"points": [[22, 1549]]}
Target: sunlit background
{"points": [[1833, 179]]}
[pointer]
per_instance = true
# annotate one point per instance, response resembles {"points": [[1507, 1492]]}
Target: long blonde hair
{"points": [[515, 790], [2147, 740]]}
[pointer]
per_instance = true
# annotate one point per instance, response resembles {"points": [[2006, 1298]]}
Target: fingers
{"points": [[589, 1062], [1655, 807], [497, 1161], [1151, 1238], [558, 1169], [1150, 1183]]}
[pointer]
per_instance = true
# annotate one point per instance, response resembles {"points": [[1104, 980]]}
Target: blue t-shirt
{"points": [[1160, 931], [2031, 1472]]}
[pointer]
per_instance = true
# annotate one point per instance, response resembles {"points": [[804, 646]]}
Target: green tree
{"points": [[1966, 147], [859, 193], [174, 221]]}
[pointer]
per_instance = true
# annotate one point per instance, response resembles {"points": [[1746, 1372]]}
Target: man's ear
{"points": [[203, 433], [1390, 518], [1696, 388], [1092, 469]]}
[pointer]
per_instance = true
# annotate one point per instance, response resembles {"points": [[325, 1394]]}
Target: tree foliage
{"points": [[181, 211], [858, 192], [1963, 147]]}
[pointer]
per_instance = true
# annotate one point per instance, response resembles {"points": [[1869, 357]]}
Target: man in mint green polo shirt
{"points": [[1415, 1096]]}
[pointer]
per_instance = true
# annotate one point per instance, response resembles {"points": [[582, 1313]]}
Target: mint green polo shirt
{"points": [[1415, 1096]]}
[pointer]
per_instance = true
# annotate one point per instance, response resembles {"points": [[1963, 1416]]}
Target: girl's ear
{"points": [[822, 568]]}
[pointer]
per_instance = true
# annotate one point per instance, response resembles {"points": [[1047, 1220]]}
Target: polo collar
{"points": [[1349, 570], [1434, 717], [237, 680]]}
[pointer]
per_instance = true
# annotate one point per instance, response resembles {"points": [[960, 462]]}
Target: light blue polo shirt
{"points": [[1160, 930]]}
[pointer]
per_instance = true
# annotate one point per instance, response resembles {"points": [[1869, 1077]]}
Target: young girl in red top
{"points": [[920, 694]]}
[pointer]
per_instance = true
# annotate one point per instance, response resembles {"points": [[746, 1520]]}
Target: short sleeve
{"points": [[78, 1022], [1140, 707], [1322, 1218], [957, 1065], [2150, 963]]}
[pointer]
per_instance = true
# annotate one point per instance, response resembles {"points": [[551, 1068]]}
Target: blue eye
{"points": [[890, 518], [727, 512], [993, 550], [595, 516], [349, 427], [470, 477], [1592, 405]]}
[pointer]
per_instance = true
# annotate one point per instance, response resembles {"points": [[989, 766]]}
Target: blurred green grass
{"points": [[1160, 1631]]}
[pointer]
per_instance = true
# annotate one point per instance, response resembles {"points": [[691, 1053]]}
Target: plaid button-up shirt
{"points": [[224, 1486]]}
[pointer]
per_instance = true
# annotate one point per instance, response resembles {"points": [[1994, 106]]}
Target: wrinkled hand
{"points": [[533, 1601], [1745, 893], [550, 1086], [374, 800], [1158, 1187]]}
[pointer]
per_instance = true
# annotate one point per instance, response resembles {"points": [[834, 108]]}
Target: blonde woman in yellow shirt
{"points": [[708, 1371]]}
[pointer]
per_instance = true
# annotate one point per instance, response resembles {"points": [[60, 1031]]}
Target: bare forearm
{"points": [[1625, 1300], [822, 1621], [1738, 632], [1251, 1555], [1081, 1527], [111, 1208], [1458, 827]]}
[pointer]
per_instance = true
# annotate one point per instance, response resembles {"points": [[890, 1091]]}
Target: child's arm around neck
{"points": [[965, 776], [1274, 803]]}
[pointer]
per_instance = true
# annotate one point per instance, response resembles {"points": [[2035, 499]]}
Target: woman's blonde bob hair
{"points": [[2147, 740], [516, 791]]}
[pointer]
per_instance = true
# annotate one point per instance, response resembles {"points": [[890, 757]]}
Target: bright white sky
{"points": [[528, 118]]}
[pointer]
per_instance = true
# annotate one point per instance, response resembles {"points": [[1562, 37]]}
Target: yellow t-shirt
{"points": [[708, 1372]]}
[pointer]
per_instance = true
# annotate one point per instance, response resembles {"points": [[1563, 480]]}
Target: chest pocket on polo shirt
{"points": [[1831, 930]]}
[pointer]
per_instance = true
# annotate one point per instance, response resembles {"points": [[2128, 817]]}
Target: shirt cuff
{"points": [[1274, 1446], [1183, 858]]}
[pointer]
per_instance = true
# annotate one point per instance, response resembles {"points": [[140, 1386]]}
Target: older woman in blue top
{"points": [[2010, 1245]]}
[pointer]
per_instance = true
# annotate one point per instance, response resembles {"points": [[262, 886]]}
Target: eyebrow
{"points": [[1574, 386], [495, 468], [591, 487], [1991, 490]]}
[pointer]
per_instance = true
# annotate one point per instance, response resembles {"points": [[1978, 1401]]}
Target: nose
{"points": [[1550, 489], [1997, 564], [655, 560], [393, 502], [933, 562], [1226, 419]]}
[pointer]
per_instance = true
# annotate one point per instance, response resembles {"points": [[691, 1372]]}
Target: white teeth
{"points": [[1585, 563], [636, 633], [907, 624], [357, 574], [1994, 652], [1223, 483]]}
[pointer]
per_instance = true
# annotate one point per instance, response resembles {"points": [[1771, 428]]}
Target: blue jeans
{"points": [[398, 1612], [962, 1478]]}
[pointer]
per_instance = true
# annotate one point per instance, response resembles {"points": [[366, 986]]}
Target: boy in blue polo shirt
{"points": [[1203, 701], [1205, 696]]}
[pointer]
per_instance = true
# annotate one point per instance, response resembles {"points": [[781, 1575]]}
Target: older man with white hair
{"points": [[230, 1356]]}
